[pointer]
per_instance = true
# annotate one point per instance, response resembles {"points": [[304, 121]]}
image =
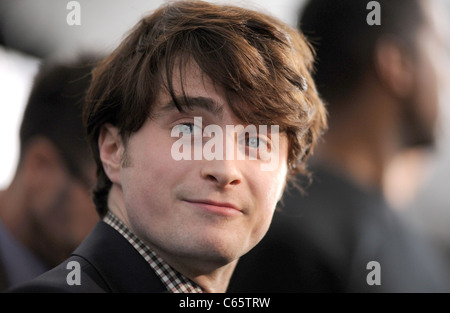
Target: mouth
{"points": [[220, 208]]}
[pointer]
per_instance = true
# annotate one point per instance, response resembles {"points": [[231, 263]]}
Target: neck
{"points": [[360, 141], [213, 277]]}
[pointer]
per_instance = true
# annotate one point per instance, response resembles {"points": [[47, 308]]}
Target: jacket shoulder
{"points": [[105, 262], [75, 275]]}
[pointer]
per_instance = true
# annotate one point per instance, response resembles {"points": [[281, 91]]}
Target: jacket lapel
{"points": [[122, 268]]}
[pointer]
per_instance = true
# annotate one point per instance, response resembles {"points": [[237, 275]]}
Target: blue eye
{"points": [[252, 142], [187, 128]]}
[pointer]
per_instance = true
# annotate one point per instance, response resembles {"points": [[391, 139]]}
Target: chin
{"points": [[219, 251]]}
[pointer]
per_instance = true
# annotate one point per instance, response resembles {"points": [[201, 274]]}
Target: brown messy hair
{"points": [[257, 59]]}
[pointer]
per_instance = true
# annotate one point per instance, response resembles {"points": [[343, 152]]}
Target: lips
{"points": [[221, 208]]}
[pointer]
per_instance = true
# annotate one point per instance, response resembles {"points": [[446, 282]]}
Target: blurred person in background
{"points": [[381, 85], [47, 210]]}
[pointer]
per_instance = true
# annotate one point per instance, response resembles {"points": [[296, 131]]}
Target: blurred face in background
{"points": [[61, 209]]}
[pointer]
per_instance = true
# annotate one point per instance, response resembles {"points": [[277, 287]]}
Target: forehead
{"points": [[187, 77], [190, 87]]}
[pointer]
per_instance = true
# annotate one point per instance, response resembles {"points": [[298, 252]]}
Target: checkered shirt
{"points": [[174, 281]]}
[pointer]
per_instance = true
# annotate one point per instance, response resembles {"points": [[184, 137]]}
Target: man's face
{"points": [[62, 210], [213, 210]]}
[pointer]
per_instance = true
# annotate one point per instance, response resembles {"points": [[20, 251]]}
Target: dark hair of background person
{"points": [[341, 32], [228, 49], [46, 211], [54, 85]]}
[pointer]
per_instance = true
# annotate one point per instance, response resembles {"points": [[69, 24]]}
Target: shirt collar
{"points": [[173, 280]]}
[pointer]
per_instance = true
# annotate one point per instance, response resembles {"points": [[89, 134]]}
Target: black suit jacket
{"points": [[108, 263], [3, 279]]}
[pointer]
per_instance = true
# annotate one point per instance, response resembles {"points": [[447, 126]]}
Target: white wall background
{"points": [[16, 72]]}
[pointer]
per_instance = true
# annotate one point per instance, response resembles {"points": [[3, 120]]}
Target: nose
{"points": [[222, 173]]}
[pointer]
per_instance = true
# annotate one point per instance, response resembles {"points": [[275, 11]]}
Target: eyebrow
{"points": [[190, 103]]}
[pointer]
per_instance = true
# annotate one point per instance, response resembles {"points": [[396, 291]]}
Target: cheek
{"points": [[266, 189], [276, 180], [150, 179], [427, 95], [268, 186], [428, 82], [271, 191], [430, 78], [141, 179]]}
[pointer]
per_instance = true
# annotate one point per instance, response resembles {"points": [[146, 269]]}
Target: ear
{"points": [[394, 67], [111, 150]]}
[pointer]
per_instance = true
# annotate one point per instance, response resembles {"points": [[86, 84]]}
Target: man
{"points": [[46, 211], [381, 86], [180, 205]]}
